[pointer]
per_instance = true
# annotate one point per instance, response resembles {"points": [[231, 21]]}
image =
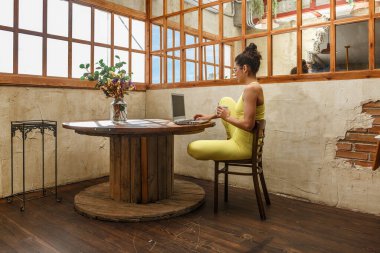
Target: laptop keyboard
{"points": [[184, 122]]}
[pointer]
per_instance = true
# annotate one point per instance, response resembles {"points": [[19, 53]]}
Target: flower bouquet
{"points": [[114, 82]]}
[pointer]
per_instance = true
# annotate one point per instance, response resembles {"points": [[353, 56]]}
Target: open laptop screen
{"points": [[178, 106]]}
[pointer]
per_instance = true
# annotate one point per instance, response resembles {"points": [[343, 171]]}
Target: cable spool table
{"points": [[141, 184]]}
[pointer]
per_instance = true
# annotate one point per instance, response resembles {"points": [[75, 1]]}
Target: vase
{"points": [[118, 111]]}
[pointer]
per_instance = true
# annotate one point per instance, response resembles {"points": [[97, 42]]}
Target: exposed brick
{"points": [[344, 146], [372, 156], [363, 163], [361, 137], [352, 155], [372, 105], [376, 121], [358, 130], [374, 129], [365, 147], [372, 111]]}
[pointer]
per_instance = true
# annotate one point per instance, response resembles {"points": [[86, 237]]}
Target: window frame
{"points": [[269, 33], [9, 79]]}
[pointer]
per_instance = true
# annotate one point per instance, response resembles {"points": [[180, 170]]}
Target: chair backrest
{"points": [[377, 156], [258, 132]]}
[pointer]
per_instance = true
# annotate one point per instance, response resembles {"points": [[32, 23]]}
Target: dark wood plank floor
{"points": [[292, 226]]}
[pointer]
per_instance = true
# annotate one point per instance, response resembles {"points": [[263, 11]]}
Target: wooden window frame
{"points": [[12, 79], [299, 77]]}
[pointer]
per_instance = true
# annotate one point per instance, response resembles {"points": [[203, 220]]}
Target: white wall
{"points": [[304, 121], [80, 157]]}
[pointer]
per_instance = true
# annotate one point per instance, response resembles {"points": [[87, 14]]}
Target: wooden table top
{"points": [[134, 127]]}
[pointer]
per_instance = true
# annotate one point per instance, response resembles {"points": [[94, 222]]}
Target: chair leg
{"points": [[226, 182], [264, 186], [258, 195], [216, 176]]}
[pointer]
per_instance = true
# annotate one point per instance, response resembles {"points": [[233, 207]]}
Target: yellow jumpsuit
{"points": [[239, 142]]}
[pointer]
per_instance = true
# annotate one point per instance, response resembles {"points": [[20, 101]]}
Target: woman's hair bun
{"points": [[251, 47]]}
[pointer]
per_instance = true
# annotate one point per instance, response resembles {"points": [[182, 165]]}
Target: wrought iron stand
{"points": [[25, 127]]}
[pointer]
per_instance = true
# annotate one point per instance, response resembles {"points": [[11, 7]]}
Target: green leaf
{"points": [[117, 57], [87, 65], [82, 78], [82, 66]]}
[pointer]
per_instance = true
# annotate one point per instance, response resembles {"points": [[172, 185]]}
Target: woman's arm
{"points": [[250, 100], [205, 116]]}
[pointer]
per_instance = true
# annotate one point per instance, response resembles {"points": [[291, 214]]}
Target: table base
{"points": [[95, 202]]}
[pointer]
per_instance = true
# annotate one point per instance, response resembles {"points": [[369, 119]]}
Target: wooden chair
{"points": [[256, 165], [377, 157]]}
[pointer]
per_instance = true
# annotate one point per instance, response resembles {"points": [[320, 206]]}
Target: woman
{"points": [[238, 117]]}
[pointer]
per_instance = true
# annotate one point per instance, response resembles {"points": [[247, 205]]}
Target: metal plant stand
{"points": [[26, 127]]}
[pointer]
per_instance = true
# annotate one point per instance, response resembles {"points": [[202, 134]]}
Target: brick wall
{"points": [[359, 145]]}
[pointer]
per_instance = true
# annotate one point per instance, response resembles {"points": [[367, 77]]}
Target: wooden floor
{"points": [[292, 226]]}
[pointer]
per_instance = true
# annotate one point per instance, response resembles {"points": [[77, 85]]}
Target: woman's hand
{"points": [[222, 112], [203, 116]]}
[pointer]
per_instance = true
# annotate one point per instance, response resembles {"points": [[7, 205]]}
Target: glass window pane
{"points": [[229, 27], [377, 6], [231, 50], [177, 38], [190, 53], [377, 45], [156, 37], [102, 27], [209, 72], [211, 54], [30, 15], [124, 56], [29, 54], [169, 38], [352, 8], [177, 71], [315, 15], [284, 53], [316, 49], [102, 53], [156, 69], [6, 52], [227, 73], [172, 6], [190, 3], [6, 13], [227, 55], [57, 17], [157, 8], [138, 67], [121, 27], [81, 53], [57, 51], [190, 71], [352, 46], [211, 22], [169, 70], [286, 16], [138, 34], [262, 47], [191, 26], [81, 22]]}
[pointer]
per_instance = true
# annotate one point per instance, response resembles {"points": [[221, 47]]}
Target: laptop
{"points": [[178, 109]]}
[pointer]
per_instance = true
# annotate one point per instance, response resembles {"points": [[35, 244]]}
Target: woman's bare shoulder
{"points": [[253, 87]]}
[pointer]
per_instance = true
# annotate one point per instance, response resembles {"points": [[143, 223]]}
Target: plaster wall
{"points": [[80, 157], [304, 122]]}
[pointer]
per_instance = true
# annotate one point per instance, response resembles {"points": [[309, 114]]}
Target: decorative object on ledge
{"points": [[26, 127], [115, 83]]}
